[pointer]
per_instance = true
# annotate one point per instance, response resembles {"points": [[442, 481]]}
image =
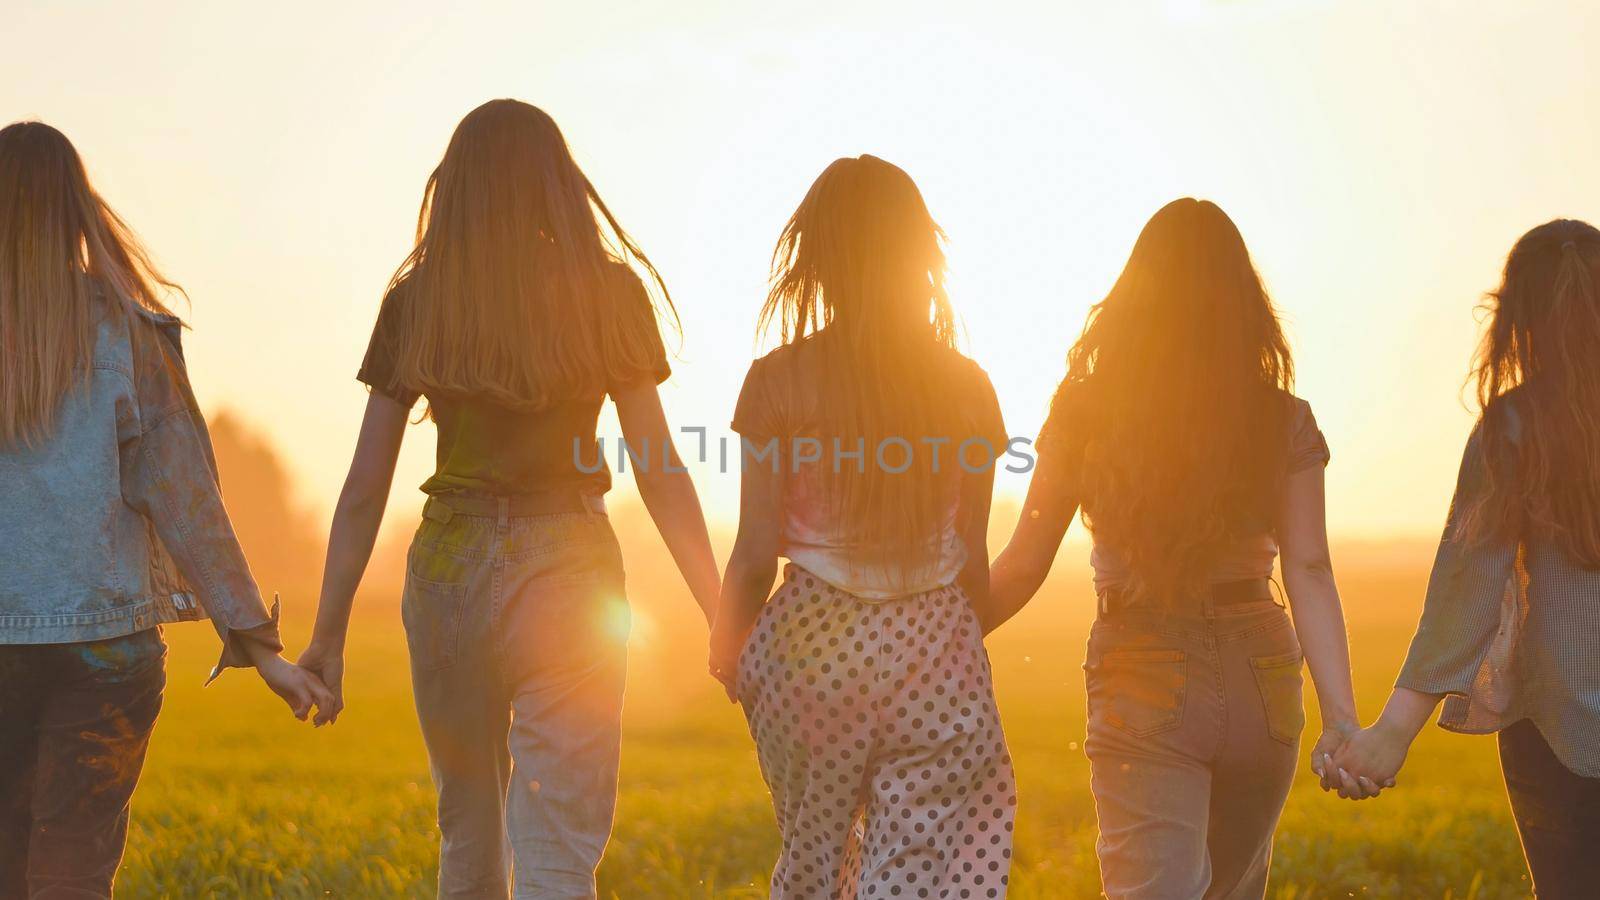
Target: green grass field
{"points": [[238, 800]]}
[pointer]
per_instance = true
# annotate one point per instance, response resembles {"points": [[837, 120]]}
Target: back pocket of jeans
{"points": [[432, 614], [1279, 680], [1140, 692]]}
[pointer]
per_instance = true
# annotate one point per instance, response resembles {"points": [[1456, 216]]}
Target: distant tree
{"points": [[281, 537]]}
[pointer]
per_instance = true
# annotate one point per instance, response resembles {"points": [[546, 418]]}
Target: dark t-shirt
{"points": [[490, 449], [779, 398], [1248, 557]]}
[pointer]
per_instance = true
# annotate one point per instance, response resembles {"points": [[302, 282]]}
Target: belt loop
{"points": [[504, 516], [595, 504], [1209, 604], [437, 510]]}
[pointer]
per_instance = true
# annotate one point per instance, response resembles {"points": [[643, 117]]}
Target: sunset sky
{"points": [[1379, 157]]}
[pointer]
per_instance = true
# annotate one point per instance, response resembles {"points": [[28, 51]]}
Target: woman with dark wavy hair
{"points": [[1176, 433], [1512, 617]]}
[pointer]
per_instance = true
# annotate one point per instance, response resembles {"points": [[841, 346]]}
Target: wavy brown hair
{"points": [[859, 274], [514, 290], [1538, 385], [1175, 403], [61, 248]]}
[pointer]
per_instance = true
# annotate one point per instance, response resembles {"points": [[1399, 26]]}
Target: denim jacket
{"points": [[114, 523]]}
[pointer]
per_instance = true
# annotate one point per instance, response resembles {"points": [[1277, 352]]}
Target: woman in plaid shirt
{"points": [[1511, 624]]}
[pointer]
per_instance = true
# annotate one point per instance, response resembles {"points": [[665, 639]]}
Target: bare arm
{"points": [[1318, 613], [972, 517], [1460, 616], [752, 566], [1024, 563], [356, 520], [1372, 757], [169, 475], [669, 493]]}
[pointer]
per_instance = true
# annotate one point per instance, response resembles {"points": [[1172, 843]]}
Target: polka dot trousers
{"points": [[876, 730]]}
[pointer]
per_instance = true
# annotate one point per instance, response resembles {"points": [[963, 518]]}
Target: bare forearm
{"points": [[350, 541], [674, 506], [744, 590], [1408, 711], [1013, 580], [1319, 623], [260, 654], [974, 574]]}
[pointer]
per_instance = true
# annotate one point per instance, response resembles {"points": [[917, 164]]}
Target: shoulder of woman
{"points": [[1506, 412], [778, 362], [964, 368], [1297, 411], [157, 333], [399, 292], [623, 281]]}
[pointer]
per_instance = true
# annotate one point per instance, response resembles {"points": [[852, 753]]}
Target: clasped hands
{"points": [[1359, 763]]}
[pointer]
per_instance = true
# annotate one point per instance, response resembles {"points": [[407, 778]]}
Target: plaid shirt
{"points": [[1510, 630]]}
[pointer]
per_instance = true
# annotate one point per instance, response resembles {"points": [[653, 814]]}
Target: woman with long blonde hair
{"points": [[1176, 434], [112, 524], [868, 449], [516, 314], [1511, 622]]}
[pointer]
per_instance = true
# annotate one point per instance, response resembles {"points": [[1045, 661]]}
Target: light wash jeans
{"points": [[1194, 734], [517, 630]]}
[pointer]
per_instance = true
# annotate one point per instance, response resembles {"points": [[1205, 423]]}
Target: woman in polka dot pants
{"points": [[876, 729], [864, 677]]}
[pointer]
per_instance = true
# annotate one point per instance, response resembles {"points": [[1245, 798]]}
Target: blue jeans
{"points": [[1557, 813], [517, 630]]}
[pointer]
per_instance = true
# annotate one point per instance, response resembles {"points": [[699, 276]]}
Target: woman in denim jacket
{"points": [[111, 526]]}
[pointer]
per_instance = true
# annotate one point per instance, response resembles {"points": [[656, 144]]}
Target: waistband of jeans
{"points": [[1224, 597], [443, 508]]}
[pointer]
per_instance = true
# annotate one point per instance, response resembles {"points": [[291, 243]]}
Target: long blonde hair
{"points": [[860, 270], [514, 289], [61, 246]]}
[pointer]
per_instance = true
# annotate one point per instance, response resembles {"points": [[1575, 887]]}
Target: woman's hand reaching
{"points": [[1349, 783], [1334, 735], [727, 641], [299, 688], [326, 661], [1369, 761]]}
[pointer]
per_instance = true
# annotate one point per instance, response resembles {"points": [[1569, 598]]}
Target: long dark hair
{"points": [[1175, 402], [1540, 359]]}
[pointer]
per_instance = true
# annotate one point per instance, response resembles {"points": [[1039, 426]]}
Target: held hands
{"points": [[1370, 760], [1366, 763], [727, 640], [325, 660], [1334, 735], [1354, 762], [297, 687]]}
